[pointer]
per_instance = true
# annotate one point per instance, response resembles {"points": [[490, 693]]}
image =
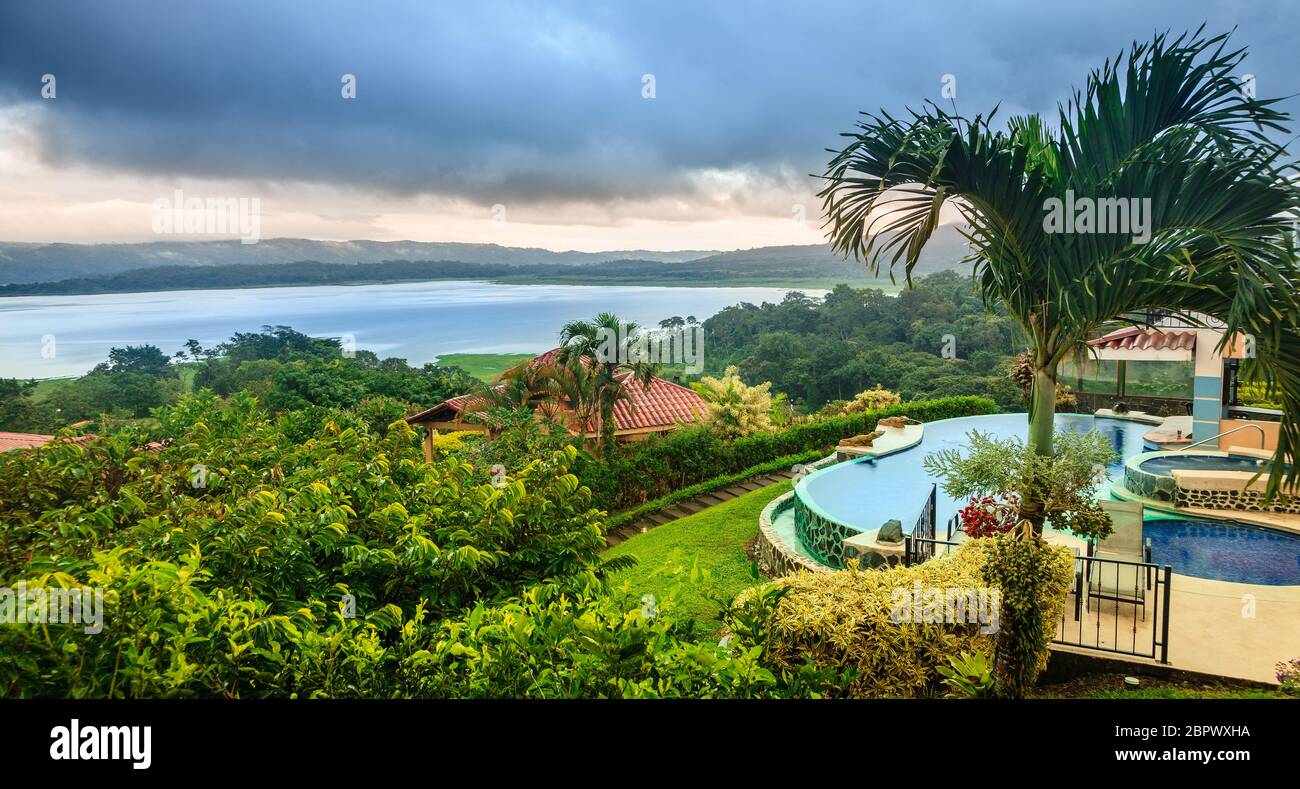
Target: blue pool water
{"points": [[865, 495], [868, 494], [1165, 465], [1225, 551]]}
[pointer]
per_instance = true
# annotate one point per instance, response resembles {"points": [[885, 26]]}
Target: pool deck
{"points": [[1215, 627], [1232, 629]]}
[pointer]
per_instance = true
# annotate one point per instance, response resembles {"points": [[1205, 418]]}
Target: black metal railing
{"points": [[925, 522], [920, 549], [1118, 606], [1114, 605]]}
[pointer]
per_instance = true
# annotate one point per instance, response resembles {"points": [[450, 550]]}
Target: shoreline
{"points": [[815, 284]]}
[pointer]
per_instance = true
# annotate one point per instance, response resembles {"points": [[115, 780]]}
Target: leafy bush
{"points": [[847, 621], [969, 676], [1064, 484], [1288, 676], [243, 529], [872, 400], [734, 408], [1034, 578]]}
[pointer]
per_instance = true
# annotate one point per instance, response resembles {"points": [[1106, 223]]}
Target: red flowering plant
{"points": [[989, 515]]}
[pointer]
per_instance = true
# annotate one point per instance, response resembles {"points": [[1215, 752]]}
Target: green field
{"points": [[701, 557], [483, 366]]}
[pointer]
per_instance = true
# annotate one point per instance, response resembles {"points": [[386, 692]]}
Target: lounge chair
{"points": [[1122, 583]]}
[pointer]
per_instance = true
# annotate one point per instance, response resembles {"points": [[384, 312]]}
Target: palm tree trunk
{"points": [[1042, 415], [1042, 410]]}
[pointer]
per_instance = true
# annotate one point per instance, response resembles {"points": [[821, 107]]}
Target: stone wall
{"points": [[1245, 500], [775, 558]]}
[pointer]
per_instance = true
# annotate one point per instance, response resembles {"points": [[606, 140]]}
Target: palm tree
{"points": [[606, 346], [524, 386], [1166, 122]]}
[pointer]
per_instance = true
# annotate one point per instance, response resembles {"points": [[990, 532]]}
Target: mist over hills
{"points": [[93, 268], [27, 262]]}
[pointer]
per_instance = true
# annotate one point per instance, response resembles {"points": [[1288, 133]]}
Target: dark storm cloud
{"points": [[505, 101]]}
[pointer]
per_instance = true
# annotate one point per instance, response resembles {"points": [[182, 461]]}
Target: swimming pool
{"points": [[859, 496], [864, 494], [1225, 551], [1166, 464]]}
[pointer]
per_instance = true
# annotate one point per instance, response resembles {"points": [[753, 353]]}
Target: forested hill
{"points": [[53, 262], [790, 266], [109, 268]]}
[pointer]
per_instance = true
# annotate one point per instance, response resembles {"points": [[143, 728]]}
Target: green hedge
{"points": [[663, 502], [662, 464]]}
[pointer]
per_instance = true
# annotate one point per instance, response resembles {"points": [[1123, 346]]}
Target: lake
{"points": [[416, 321]]}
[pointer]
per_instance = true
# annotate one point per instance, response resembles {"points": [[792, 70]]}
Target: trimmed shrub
{"points": [[844, 622], [1034, 578]]}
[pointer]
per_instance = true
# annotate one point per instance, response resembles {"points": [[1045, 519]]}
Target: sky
{"points": [[589, 126]]}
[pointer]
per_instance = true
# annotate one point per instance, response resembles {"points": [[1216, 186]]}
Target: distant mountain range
{"points": [[97, 268], [50, 262]]}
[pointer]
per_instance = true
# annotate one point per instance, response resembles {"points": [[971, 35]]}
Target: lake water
{"points": [[415, 320]]}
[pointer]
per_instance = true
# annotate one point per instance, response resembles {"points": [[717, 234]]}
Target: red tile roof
{"points": [[10, 441], [1139, 338], [662, 404]]}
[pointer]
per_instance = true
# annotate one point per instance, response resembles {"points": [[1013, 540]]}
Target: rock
{"points": [[863, 440], [892, 531], [893, 421]]}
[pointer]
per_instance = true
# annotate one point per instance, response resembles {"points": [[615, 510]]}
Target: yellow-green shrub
{"points": [[872, 400], [444, 443], [842, 620]]}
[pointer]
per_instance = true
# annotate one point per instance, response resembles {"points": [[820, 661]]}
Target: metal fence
{"points": [[1118, 606], [1114, 605]]}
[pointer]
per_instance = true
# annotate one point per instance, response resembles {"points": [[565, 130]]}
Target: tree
{"points": [[144, 359], [736, 409], [1166, 132], [607, 346]]}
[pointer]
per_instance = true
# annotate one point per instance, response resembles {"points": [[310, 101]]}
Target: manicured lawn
{"points": [[712, 541], [483, 366]]}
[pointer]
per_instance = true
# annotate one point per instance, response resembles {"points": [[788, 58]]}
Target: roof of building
{"points": [[1143, 339], [10, 441], [661, 404]]}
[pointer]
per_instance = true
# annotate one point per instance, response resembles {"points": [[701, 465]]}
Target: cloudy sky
{"points": [[538, 108]]}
